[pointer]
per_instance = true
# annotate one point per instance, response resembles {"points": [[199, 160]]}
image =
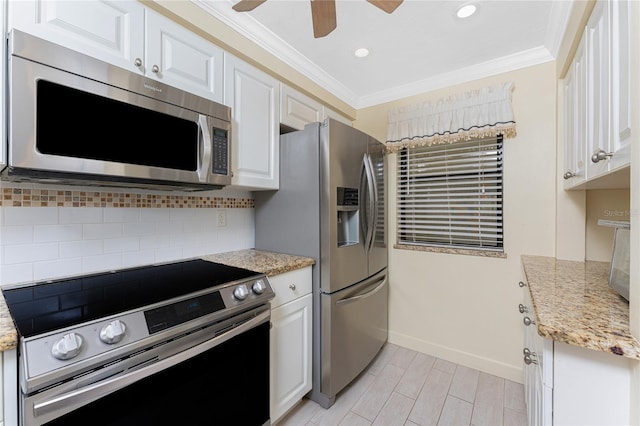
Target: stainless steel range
{"points": [[173, 343]]}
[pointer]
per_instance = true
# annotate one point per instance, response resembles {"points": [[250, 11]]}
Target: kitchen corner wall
{"points": [[465, 308], [50, 232]]}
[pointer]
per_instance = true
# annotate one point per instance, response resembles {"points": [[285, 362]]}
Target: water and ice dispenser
{"points": [[348, 217]]}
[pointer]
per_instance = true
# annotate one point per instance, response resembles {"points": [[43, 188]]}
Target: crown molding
{"points": [[557, 25], [496, 66], [251, 29]]}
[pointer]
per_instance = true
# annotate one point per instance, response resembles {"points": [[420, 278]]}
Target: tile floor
{"points": [[402, 387]]}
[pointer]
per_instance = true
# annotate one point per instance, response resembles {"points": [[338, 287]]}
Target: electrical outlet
{"points": [[222, 218]]}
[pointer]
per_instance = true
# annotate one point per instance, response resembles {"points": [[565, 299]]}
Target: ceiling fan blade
{"points": [[386, 5], [247, 5], [323, 14]]}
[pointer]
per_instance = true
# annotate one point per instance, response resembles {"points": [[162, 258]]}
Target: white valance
{"points": [[482, 113]]}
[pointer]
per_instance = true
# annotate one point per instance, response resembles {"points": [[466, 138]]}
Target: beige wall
{"points": [[609, 204], [464, 308]]}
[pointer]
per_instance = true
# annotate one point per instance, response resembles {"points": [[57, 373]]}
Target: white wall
{"points": [[38, 243], [464, 308]]}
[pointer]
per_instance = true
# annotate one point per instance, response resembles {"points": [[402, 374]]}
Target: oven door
{"points": [[223, 380]]}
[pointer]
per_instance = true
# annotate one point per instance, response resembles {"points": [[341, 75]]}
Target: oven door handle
{"points": [[97, 390]]}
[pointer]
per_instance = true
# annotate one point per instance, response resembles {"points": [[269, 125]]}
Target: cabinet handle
{"points": [[528, 352], [292, 287], [155, 69], [527, 321], [601, 155], [529, 360], [522, 308], [137, 62], [568, 175], [521, 284]]}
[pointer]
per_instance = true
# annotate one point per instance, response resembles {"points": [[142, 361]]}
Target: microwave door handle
{"points": [[204, 150]]}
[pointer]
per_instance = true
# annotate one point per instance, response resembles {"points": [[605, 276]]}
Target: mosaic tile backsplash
{"points": [[26, 197]]}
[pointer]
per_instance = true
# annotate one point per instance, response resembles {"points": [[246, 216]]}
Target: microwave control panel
{"points": [[220, 162]]}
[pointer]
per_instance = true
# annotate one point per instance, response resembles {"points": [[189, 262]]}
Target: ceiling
{"points": [[421, 46]]}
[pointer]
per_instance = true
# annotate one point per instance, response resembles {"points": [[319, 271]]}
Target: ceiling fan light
{"points": [[362, 52], [466, 10]]}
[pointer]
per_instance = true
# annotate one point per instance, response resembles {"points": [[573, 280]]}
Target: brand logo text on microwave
{"points": [[154, 88]]}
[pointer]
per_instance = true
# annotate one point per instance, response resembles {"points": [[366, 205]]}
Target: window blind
{"points": [[451, 195]]}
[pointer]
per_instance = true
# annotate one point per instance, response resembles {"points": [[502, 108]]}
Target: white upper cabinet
{"points": [[329, 113], [621, 83], [118, 31], [298, 110], [254, 98], [180, 58], [598, 93], [575, 120], [112, 31], [597, 113]]}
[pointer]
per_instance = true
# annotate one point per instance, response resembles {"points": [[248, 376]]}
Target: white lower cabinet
{"points": [[291, 323], [566, 384]]}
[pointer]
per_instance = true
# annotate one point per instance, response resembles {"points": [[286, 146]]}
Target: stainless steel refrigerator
{"points": [[330, 206]]}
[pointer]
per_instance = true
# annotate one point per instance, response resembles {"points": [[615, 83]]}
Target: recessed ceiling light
{"points": [[362, 52], [466, 10]]}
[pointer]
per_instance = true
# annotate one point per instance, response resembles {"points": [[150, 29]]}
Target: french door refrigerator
{"points": [[330, 206]]}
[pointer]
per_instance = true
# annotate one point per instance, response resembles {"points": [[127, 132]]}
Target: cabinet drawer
{"points": [[290, 285]]}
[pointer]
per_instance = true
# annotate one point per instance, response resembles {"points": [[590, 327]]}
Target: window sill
{"points": [[448, 250]]}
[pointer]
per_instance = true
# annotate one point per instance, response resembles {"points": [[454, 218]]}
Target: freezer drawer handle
{"points": [[362, 296]]}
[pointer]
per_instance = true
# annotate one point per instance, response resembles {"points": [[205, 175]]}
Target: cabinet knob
{"points": [[292, 287], [521, 284], [601, 155], [568, 175], [155, 69], [527, 321], [137, 62], [527, 351], [529, 360], [522, 308]]}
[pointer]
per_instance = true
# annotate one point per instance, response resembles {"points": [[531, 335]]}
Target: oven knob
{"points": [[259, 287], [67, 347], [241, 292], [113, 332]]}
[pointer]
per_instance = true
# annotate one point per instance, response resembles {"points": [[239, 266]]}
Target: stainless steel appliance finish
{"points": [[172, 343], [330, 206], [76, 120]]}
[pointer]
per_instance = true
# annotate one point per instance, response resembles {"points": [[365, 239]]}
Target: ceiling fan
{"points": [[323, 12]]}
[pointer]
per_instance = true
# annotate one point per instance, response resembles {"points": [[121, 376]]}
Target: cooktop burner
{"points": [[53, 305]]}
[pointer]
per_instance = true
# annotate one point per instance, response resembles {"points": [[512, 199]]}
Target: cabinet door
{"points": [[180, 58], [298, 110], [111, 31], [290, 354], [3, 58], [253, 97], [621, 83], [598, 99], [575, 90], [329, 113]]}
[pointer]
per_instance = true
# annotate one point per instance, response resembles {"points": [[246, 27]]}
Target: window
{"points": [[450, 195]]}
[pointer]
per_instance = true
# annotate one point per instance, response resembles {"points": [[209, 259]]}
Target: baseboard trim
{"points": [[486, 365]]}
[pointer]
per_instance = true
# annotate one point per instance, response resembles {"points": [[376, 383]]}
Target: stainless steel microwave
{"points": [[73, 119]]}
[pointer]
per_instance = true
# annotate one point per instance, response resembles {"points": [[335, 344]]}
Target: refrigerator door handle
{"points": [[369, 293], [365, 188], [370, 187], [373, 199]]}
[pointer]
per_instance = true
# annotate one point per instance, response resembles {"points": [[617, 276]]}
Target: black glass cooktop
{"points": [[52, 305]]}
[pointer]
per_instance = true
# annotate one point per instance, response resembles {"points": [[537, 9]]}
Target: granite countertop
{"points": [[574, 304], [266, 262], [269, 263]]}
